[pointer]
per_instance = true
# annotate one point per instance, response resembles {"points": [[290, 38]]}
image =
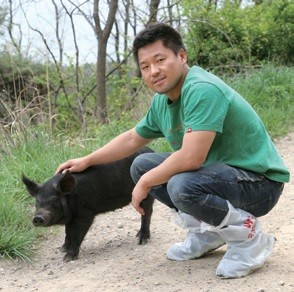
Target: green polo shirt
{"points": [[207, 103]]}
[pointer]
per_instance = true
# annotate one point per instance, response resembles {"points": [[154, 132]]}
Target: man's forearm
{"points": [[174, 164], [120, 147]]}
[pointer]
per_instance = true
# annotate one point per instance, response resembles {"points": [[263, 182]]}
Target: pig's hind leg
{"points": [[144, 232]]}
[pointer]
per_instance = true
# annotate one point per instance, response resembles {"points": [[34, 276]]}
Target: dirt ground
{"points": [[111, 260]]}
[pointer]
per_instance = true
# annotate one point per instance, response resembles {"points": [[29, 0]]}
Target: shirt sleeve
{"points": [[148, 127], [205, 108]]}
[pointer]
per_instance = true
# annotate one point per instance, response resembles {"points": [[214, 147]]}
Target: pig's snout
{"points": [[39, 220], [42, 218]]}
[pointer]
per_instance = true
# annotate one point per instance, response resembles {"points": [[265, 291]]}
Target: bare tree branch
{"points": [[56, 63], [17, 45], [57, 20], [77, 65]]}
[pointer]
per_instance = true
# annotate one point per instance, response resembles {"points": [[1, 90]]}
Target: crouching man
{"points": [[224, 171]]}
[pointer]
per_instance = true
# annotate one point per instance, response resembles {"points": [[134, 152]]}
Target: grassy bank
{"points": [[271, 93], [36, 153]]}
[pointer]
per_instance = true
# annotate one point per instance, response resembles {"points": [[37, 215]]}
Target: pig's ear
{"points": [[65, 185], [31, 186]]}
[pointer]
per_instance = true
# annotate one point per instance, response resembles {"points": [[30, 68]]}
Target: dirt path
{"points": [[111, 260]]}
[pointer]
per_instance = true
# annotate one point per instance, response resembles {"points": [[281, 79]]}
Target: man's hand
{"points": [[73, 165], [140, 193]]}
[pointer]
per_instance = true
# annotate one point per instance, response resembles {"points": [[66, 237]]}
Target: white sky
{"points": [[41, 15]]}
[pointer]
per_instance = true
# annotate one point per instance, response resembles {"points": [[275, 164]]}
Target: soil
{"points": [[111, 260]]}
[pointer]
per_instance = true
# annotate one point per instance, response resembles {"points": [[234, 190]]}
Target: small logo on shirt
{"points": [[176, 129]]}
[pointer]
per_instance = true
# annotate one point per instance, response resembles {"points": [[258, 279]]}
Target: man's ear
{"points": [[32, 187], [65, 183], [183, 54]]}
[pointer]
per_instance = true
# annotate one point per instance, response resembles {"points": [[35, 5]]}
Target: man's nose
{"points": [[154, 69]]}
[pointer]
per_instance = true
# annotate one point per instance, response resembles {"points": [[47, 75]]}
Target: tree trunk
{"points": [[102, 36], [153, 9]]}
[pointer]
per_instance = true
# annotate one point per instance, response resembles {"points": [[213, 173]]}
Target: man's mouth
{"points": [[158, 80]]}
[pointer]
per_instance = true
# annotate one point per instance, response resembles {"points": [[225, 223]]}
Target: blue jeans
{"points": [[204, 193]]}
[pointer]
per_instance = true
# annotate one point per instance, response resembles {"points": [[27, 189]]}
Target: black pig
{"points": [[73, 200]]}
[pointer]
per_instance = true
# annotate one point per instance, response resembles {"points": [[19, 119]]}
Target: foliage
{"points": [[20, 78], [270, 91], [32, 89], [123, 94], [16, 237], [230, 36]]}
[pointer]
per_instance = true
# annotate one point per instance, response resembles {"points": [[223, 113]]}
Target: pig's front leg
{"points": [[75, 232], [144, 232]]}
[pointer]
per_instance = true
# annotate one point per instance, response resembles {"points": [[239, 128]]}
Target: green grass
{"points": [[270, 90], [16, 237], [36, 153]]}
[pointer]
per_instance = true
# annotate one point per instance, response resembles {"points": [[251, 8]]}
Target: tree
{"points": [[223, 37], [15, 43], [102, 38], [153, 10]]}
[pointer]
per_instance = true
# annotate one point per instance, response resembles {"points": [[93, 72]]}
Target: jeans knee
{"points": [[183, 194], [176, 189], [144, 162], [136, 168]]}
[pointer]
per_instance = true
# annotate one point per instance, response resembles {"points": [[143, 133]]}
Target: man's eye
{"points": [[144, 68]]}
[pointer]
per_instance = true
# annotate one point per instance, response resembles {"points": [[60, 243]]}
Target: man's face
{"points": [[162, 70]]}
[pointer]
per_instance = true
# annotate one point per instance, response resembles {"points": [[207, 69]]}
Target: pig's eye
{"points": [[54, 201], [47, 202]]}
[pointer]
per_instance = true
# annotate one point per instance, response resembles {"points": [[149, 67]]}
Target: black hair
{"points": [[170, 38]]}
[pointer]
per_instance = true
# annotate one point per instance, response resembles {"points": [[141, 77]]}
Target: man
{"points": [[224, 171]]}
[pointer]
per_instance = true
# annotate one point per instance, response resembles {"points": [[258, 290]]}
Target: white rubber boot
{"points": [[247, 246], [196, 243]]}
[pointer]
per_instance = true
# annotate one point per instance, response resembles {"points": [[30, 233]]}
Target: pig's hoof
{"points": [[70, 257], [143, 238], [63, 248]]}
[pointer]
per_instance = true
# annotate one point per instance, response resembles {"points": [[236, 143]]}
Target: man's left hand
{"points": [[139, 194]]}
